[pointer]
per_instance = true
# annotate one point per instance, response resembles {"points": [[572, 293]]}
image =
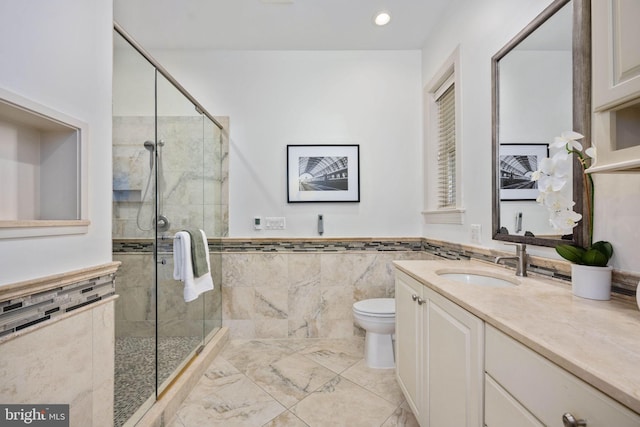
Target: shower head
{"points": [[151, 146]]}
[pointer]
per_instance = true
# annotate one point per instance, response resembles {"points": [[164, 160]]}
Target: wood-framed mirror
{"points": [[541, 86]]}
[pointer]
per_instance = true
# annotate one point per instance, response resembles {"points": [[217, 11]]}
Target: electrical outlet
{"points": [[475, 233]]}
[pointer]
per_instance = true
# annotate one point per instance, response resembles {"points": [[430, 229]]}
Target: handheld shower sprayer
{"points": [[162, 222], [151, 146]]}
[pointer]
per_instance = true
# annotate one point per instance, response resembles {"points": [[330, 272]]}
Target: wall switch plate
{"points": [[475, 233], [274, 223]]}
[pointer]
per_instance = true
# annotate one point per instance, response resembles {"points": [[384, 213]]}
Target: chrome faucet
{"points": [[520, 257]]}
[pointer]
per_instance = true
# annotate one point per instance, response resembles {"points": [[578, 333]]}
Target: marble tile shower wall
{"points": [[195, 166], [136, 308], [302, 294]]}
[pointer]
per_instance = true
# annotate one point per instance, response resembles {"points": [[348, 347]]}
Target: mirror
{"points": [[540, 88]]}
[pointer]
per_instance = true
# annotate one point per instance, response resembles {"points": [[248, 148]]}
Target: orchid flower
{"points": [[551, 177], [556, 202], [553, 173], [591, 152], [565, 220], [568, 139]]}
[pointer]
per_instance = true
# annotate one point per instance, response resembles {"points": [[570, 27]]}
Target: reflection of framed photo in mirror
{"points": [[517, 163]]}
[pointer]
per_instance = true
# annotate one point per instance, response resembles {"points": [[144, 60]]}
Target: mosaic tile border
{"points": [[624, 283], [21, 312], [284, 245]]}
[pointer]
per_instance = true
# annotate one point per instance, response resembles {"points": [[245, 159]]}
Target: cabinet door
{"points": [[616, 52], [408, 341], [455, 364], [616, 84], [502, 410], [546, 390]]}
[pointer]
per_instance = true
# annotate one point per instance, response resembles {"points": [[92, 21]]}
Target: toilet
{"points": [[377, 317]]}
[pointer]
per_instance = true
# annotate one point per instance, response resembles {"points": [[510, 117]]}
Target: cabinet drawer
{"points": [[546, 390], [502, 410]]}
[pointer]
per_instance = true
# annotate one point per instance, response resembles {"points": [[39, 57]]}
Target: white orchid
{"points": [[553, 175], [568, 139], [555, 201], [564, 220], [591, 152]]}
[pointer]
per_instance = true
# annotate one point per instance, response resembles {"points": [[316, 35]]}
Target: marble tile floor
{"points": [[294, 383]]}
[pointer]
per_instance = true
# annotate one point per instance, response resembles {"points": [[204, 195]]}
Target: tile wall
{"points": [[308, 290], [188, 191], [67, 358]]}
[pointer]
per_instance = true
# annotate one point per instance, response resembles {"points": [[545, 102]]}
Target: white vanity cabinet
{"points": [[439, 356], [409, 337], [525, 389]]}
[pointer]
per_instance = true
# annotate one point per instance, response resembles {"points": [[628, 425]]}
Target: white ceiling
{"points": [[278, 24]]}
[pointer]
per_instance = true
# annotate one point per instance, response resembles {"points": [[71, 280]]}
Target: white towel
{"points": [[183, 270]]}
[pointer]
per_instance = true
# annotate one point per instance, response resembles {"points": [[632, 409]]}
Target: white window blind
{"points": [[446, 122]]}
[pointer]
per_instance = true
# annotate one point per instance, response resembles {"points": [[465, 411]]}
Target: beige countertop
{"points": [[598, 341]]}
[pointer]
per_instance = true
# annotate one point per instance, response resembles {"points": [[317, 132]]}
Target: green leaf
{"points": [[595, 258], [604, 247], [571, 253]]}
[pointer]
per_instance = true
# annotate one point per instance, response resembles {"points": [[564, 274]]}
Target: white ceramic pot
{"points": [[591, 282]]}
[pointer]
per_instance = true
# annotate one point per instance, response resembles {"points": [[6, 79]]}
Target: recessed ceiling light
{"points": [[382, 18]]}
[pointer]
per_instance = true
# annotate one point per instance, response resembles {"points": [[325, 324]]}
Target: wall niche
{"points": [[43, 170]]}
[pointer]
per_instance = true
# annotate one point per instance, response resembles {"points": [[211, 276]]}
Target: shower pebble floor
{"points": [[294, 383], [135, 360]]}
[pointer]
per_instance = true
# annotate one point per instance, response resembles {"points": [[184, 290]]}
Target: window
{"points": [[446, 108], [442, 149]]}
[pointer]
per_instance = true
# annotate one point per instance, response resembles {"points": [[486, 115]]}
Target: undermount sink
{"points": [[478, 278]]}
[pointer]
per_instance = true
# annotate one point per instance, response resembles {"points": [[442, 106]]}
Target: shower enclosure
{"points": [[167, 176]]}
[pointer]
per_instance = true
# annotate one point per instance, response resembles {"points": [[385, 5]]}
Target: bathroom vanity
{"points": [[511, 351]]}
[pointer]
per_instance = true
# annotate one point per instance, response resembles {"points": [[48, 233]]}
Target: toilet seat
{"points": [[379, 307]]}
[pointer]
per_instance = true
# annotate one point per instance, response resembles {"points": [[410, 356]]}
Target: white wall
{"points": [[59, 54], [275, 98], [481, 29]]}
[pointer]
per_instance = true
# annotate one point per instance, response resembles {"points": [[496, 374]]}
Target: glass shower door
{"points": [[167, 160], [180, 204], [133, 231]]}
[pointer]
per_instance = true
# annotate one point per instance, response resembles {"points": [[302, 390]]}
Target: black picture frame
{"points": [[323, 173], [517, 163]]}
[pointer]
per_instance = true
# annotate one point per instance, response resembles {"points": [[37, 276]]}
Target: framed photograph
{"points": [[517, 163], [323, 173]]}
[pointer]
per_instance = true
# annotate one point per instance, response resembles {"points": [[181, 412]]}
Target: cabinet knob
{"points": [[418, 299], [570, 421]]}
